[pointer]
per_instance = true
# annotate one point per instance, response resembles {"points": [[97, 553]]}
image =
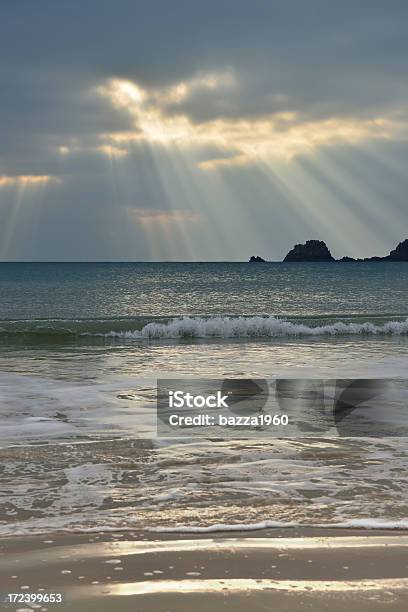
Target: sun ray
{"points": [[21, 188]]}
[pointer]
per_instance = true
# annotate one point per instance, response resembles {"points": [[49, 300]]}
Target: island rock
{"points": [[312, 250], [400, 253], [256, 259]]}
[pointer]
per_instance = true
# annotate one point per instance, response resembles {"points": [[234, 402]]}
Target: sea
{"points": [[83, 344]]}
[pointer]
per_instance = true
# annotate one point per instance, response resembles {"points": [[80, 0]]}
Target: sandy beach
{"points": [[279, 569]]}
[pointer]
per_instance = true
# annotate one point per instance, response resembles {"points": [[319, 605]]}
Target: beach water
{"points": [[81, 347]]}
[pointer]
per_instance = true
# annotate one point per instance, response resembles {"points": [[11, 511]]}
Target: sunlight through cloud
{"points": [[280, 135], [26, 180]]}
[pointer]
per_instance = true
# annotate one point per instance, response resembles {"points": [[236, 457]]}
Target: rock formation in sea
{"points": [[317, 250], [312, 250], [400, 253]]}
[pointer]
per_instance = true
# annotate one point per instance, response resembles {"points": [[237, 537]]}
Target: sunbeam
{"points": [[22, 190]]}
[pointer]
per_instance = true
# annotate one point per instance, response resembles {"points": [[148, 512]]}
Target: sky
{"points": [[192, 130]]}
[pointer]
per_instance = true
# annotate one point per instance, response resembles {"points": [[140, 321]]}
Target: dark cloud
{"points": [[314, 57], [318, 59]]}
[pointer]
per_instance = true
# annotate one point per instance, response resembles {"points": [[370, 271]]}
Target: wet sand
{"points": [[282, 570]]}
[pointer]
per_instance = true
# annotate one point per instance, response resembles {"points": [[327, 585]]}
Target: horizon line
{"points": [[191, 261]]}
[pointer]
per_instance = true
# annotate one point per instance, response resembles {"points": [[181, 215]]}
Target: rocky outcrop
{"points": [[400, 253], [312, 250], [256, 259]]}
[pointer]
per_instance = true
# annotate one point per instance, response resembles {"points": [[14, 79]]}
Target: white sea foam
{"points": [[370, 523], [362, 523], [256, 327], [223, 527], [61, 525], [201, 486]]}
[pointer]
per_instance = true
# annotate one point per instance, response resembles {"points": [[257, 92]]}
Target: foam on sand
{"points": [[363, 523]]}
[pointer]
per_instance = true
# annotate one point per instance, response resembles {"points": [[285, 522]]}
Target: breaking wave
{"points": [[260, 327], [151, 328]]}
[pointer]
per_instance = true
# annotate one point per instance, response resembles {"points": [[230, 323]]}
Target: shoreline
{"points": [[288, 569], [210, 531], [185, 532]]}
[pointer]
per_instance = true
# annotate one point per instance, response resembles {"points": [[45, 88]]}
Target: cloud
{"points": [[224, 77], [236, 121], [280, 135], [26, 180], [164, 217]]}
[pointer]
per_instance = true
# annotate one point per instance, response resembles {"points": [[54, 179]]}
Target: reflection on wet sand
{"points": [[242, 584], [325, 569]]}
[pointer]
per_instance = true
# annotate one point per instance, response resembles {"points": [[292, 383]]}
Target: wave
{"points": [[260, 327], [58, 525], [155, 328]]}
